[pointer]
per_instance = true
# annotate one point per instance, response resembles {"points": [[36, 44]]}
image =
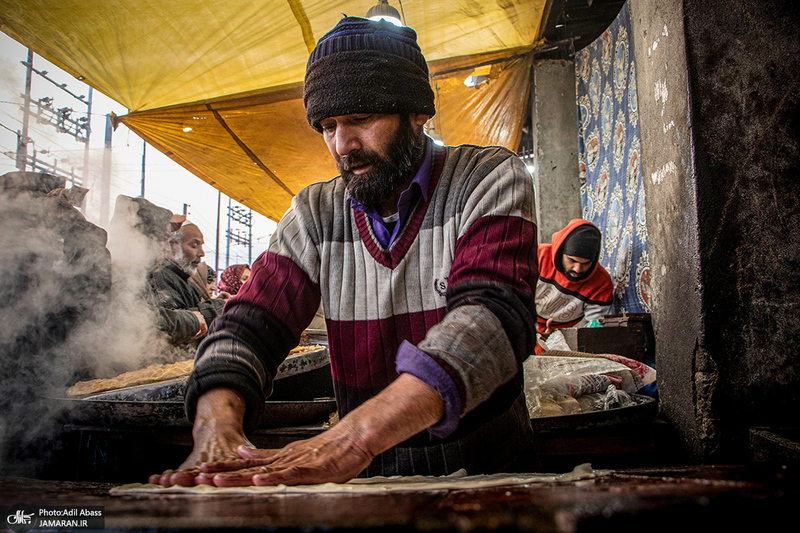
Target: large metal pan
{"points": [[304, 376], [645, 409], [302, 394], [154, 414]]}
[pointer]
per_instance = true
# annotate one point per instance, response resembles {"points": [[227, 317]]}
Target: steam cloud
{"points": [[67, 310]]}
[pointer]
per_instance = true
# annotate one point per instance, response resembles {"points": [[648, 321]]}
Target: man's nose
{"points": [[346, 140], [201, 253]]}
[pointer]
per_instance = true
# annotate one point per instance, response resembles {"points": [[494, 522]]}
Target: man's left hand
{"points": [[330, 457]]}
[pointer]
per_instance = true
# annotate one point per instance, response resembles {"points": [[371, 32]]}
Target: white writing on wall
{"points": [[658, 176], [661, 94], [652, 47]]}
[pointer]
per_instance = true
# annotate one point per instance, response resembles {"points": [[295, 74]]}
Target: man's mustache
{"points": [[357, 159]]}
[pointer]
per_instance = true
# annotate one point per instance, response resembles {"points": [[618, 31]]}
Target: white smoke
{"points": [[129, 335], [73, 306]]}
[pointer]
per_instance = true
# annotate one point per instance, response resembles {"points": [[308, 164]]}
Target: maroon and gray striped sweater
{"points": [[458, 283]]}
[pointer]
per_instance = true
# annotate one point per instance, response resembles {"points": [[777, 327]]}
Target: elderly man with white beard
{"points": [[183, 313]]}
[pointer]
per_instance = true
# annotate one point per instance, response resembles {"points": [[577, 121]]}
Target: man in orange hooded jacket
{"points": [[573, 288]]}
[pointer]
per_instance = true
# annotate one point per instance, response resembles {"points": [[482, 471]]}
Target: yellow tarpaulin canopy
{"points": [[232, 72]]}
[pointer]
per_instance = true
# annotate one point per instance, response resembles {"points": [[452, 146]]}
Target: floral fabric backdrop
{"points": [[609, 152]]}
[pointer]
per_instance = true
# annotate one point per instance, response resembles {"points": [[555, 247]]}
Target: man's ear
{"points": [[418, 119]]}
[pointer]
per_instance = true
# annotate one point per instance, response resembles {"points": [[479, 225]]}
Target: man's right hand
{"points": [[217, 433], [548, 329], [203, 326]]}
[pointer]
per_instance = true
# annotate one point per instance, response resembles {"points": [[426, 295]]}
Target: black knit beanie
{"points": [[366, 66], [583, 242]]}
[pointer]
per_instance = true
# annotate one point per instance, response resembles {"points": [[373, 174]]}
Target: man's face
{"points": [[375, 153], [190, 252], [576, 268]]}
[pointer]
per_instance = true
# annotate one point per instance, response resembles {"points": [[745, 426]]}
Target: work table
{"points": [[648, 499]]}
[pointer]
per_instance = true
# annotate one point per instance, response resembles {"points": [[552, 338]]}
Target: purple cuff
{"points": [[419, 364]]}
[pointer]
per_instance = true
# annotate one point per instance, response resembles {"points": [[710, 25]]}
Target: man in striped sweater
{"points": [[424, 260]]}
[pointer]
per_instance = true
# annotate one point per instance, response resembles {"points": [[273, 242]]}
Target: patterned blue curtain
{"points": [[609, 152]]}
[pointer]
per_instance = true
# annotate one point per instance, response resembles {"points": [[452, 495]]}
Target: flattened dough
{"points": [[374, 485]]}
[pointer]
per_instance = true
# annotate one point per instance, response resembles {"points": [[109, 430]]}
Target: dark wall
{"points": [[719, 94], [744, 75]]}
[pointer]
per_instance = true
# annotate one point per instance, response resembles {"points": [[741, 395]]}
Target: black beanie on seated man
{"points": [[366, 66], [583, 242]]}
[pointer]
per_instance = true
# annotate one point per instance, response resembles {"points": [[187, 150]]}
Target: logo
{"points": [[21, 518], [440, 286]]}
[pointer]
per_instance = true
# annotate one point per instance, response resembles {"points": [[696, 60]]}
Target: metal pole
{"points": [[228, 246], [22, 140], [216, 250], [144, 152], [105, 184], [86, 181], [250, 239]]}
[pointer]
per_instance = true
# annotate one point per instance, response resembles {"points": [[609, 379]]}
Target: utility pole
{"points": [[144, 148], [250, 239], [22, 139], [228, 238], [86, 147], [216, 250], [242, 217], [62, 119], [105, 184]]}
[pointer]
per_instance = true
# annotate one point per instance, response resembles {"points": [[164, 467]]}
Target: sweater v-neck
{"points": [[392, 256]]}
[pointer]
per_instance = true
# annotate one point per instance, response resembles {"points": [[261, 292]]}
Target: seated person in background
{"points": [[573, 288], [183, 313], [203, 278], [211, 281], [233, 278]]}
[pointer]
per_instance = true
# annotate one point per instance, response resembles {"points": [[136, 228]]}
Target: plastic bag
{"points": [[560, 385]]}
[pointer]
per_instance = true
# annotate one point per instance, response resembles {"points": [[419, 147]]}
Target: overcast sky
{"points": [[167, 184]]}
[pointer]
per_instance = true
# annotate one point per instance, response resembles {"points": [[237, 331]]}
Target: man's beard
{"points": [[388, 174], [180, 259], [574, 276]]}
